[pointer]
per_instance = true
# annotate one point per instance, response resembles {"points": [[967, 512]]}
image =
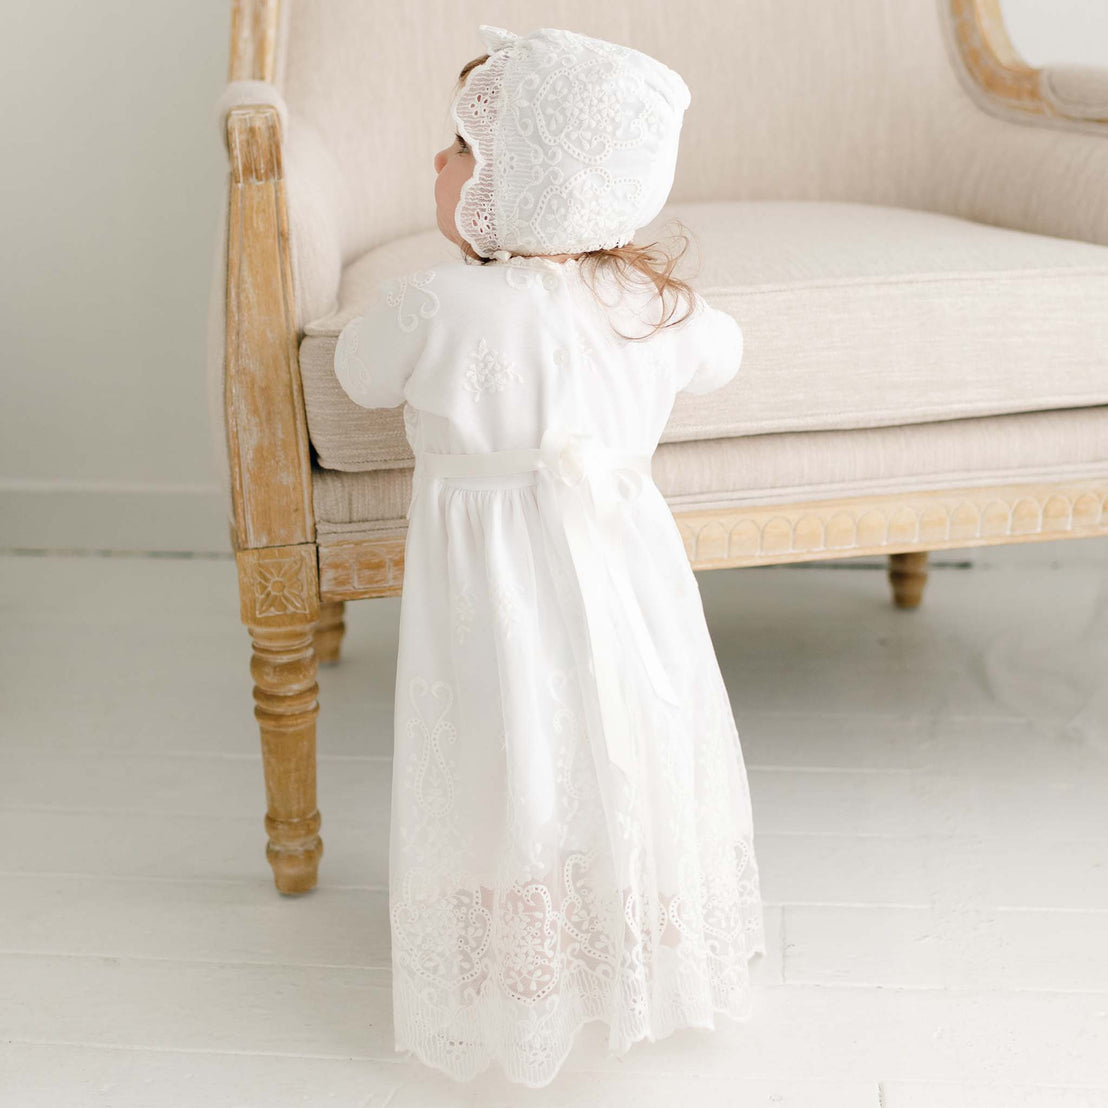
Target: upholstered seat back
{"points": [[837, 100]]}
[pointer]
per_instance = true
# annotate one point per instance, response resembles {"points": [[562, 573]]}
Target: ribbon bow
{"points": [[575, 455], [564, 453], [585, 485]]}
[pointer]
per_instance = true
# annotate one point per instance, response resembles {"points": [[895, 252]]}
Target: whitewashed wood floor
{"points": [[931, 805]]}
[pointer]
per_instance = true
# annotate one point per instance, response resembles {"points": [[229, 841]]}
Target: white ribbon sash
{"points": [[579, 482]]}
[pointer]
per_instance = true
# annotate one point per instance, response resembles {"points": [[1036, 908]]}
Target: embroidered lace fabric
{"points": [[533, 963], [574, 141], [502, 954]]}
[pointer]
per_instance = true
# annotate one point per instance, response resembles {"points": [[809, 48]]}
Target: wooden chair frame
{"points": [[293, 588]]}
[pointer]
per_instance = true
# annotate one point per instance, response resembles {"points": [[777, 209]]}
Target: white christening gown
{"points": [[571, 827]]}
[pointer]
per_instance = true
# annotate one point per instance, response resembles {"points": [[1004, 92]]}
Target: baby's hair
{"points": [[633, 266]]}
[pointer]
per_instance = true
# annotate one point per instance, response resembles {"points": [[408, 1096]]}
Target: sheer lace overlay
{"points": [[525, 967], [507, 967]]}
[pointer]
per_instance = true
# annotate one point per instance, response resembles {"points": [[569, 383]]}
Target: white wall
{"points": [[112, 181], [113, 173], [1045, 31]]}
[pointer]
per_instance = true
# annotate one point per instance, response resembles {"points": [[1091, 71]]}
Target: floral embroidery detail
{"points": [[464, 609], [588, 356], [443, 939], [488, 371], [395, 291], [434, 787], [586, 914], [644, 956], [520, 272], [481, 222], [584, 356], [575, 764], [507, 604], [548, 930], [480, 105], [528, 935]]}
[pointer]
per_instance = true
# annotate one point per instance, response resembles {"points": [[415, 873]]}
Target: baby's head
{"points": [[454, 166], [564, 146]]}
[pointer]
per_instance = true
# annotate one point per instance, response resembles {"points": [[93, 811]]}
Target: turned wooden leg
{"points": [[280, 606], [908, 573], [329, 631]]}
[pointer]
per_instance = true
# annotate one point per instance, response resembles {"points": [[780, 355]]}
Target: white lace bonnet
{"points": [[574, 141]]}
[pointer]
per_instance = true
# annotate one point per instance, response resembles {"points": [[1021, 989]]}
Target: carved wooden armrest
{"points": [[267, 434], [1035, 158], [266, 427], [1050, 95]]}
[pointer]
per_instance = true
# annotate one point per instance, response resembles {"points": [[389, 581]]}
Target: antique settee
{"points": [[909, 222]]}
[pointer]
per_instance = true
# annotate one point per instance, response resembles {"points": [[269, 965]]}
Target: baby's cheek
{"points": [[441, 191]]}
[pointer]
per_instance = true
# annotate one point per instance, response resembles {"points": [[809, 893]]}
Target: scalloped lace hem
{"points": [[531, 1059]]}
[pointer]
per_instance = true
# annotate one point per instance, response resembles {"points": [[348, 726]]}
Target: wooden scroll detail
{"points": [[776, 533], [932, 520]]}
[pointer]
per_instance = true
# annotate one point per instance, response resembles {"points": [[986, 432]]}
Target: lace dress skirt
{"points": [[534, 887]]}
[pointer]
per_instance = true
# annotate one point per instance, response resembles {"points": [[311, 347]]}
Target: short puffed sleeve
{"points": [[709, 349], [378, 350]]}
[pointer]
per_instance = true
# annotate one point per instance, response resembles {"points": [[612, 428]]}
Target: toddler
{"points": [[571, 834]]}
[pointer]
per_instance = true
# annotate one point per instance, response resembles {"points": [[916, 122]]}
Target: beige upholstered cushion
{"points": [[796, 466], [853, 316]]}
